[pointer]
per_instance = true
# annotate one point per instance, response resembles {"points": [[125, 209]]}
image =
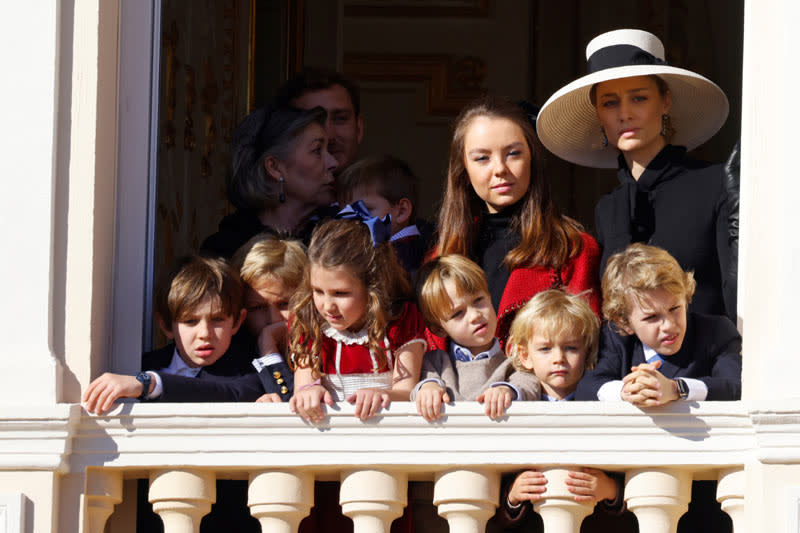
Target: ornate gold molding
{"points": [[450, 82]]}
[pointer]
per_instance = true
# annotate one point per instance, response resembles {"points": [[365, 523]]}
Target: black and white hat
{"points": [[568, 125]]}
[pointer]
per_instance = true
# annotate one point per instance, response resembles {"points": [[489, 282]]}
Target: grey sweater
{"points": [[467, 380]]}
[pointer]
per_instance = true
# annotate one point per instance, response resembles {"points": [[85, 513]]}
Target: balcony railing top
{"points": [[246, 436]]}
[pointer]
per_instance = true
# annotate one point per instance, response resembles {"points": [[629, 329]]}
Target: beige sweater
{"points": [[467, 380]]}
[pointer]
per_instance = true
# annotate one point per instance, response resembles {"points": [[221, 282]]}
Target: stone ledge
{"points": [[257, 436]]}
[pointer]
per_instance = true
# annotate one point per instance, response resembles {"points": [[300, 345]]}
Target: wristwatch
{"points": [[683, 389], [144, 378]]}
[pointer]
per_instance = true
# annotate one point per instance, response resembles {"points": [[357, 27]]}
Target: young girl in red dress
{"points": [[355, 336]]}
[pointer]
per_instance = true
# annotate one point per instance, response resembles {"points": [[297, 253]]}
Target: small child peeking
{"points": [[387, 186], [354, 335], [271, 269], [555, 336], [652, 351], [454, 298], [199, 307]]}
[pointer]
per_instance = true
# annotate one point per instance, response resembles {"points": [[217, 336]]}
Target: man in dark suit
{"points": [[652, 351]]}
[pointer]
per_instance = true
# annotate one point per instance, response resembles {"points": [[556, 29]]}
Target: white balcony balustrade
{"points": [[184, 448]]}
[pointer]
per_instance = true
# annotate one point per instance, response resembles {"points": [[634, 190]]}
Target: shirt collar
{"points": [[178, 367], [650, 355], [465, 355], [569, 397], [408, 231]]}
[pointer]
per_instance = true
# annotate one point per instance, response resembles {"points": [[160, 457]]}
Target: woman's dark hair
{"points": [[547, 238], [264, 132]]}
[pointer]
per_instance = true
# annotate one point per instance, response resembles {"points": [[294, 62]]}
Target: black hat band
{"points": [[621, 55]]}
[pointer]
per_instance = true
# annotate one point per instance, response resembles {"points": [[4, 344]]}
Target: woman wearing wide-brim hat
{"points": [[635, 112]]}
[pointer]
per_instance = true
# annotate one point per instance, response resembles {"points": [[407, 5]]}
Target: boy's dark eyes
{"points": [[457, 314]]}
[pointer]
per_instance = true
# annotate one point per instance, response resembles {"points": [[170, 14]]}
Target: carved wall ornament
{"points": [[450, 82]]}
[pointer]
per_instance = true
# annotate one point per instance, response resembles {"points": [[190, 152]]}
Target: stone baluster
{"points": [[467, 498], [373, 498], [280, 499], [182, 498], [103, 492], [559, 511], [730, 494], [658, 497]]}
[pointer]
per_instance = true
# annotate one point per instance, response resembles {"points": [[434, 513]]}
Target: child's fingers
{"points": [[106, 400], [578, 476], [481, 398], [327, 398], [445, 397], [375, 405]]}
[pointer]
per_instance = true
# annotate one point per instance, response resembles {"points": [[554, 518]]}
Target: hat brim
{"points": [[568, 125]]}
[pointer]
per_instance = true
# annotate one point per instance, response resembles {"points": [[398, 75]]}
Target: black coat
{"points": [[678, 204], [219, 383], [239, 227], [711, 352]]}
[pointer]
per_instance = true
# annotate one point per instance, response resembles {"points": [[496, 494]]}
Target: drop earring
{"points": [[281, 193], [664, 124], [605, 138]]}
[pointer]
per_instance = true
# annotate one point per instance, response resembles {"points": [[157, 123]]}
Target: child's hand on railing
{"points": [[496, 400], [308, 402], [368, 401], [430, 398]]}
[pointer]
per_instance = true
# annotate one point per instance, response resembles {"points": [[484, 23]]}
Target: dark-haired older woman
{"points": [[282, 177]]}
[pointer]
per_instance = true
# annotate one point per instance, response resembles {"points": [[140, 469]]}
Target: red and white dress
{"points": [[348, 364]]}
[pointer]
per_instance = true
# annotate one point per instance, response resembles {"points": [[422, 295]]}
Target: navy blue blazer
{"points": [[216, 383], [711, 352]]}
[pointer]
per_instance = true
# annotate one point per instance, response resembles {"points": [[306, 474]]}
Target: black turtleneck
{"points": [[495, 240]]}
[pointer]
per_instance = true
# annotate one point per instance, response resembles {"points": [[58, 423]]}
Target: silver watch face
{"points": [[683, 389]]}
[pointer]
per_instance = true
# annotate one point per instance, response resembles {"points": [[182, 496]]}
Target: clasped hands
{"points": [[645, 386]]}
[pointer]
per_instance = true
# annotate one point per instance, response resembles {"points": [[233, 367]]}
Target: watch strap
{"points": [[144, 378], [683, 388]]}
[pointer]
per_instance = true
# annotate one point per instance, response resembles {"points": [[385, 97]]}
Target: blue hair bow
{"points": [[379, 228]]}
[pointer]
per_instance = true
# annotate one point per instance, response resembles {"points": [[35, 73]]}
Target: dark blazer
{"points": [[212, 386], [679, 204], [711, 352]]}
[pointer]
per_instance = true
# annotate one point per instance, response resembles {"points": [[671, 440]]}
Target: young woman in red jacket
{"points": [[497, 211]]}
